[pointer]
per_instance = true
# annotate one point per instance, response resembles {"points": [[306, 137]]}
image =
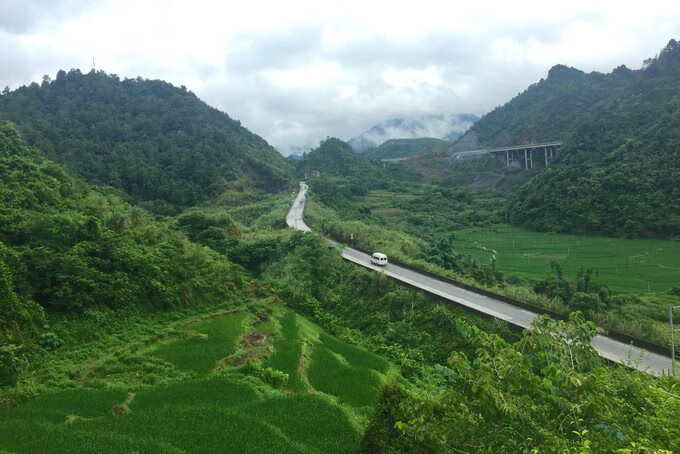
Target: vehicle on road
{"points": [[379, 258]]}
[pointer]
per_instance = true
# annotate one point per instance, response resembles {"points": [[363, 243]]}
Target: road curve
{"points": [[294, 217], [607, 347]]}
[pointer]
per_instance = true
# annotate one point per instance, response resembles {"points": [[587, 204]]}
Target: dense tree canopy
{"points": [[333, 157], [548, 392], [550, 109], [619, 172], [159, 143], [67, 246]]}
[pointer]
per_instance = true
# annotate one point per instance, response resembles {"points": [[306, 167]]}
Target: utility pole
{"points": [[670, 319]]}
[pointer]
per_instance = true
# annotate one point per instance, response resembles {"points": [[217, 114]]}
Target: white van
{"points": [[379, 259]]}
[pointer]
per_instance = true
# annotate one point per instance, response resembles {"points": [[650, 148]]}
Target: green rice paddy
{"points": [[216, 414], [288, 351], [624, 265], [355, 386], [214, 409], [200, 353], [354, 355]]}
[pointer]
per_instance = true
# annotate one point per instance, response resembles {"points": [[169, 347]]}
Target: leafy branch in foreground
{"points": [[549, 390]]}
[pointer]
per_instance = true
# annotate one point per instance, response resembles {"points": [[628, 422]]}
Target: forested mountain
{"points": [[66, 246], [549, 109], [618, 172], [161, 144], [334, 157], [401, 148]]}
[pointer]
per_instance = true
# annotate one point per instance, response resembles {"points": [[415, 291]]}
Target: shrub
{"points": [[675, 291], [585, 302], [9, 363], [273, 377]]}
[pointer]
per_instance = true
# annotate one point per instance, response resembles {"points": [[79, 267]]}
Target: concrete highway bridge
{"points": [[525, 154]]}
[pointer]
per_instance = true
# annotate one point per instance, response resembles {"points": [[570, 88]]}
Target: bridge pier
{"points": [[513, 153]]}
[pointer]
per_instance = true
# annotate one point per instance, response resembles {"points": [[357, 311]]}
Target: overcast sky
{"points": [[295, 72]]}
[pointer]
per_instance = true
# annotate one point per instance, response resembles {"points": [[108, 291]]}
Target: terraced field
{"points": [[212, 402]]}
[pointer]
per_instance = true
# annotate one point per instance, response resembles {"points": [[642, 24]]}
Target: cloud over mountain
{"points": [[446, 127]]}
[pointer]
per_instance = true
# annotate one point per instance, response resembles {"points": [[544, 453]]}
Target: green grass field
{"points": [[624, 265], [354, 355]]}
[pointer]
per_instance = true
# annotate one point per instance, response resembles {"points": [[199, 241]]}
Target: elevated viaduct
{"points": [[524, 154]]}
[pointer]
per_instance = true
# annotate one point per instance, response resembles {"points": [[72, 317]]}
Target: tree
{"points": [[549, 391], [554, 284]]}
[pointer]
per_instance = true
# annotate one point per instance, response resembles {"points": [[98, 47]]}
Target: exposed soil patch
{"points": [[265, 315], [254, 340]]}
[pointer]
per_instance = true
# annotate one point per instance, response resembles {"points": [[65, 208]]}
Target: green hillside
{"points": [[549, 110], [199, 399], [218, 329], [67, 247], [333, 157], [160, 144], [344, 173], [401, 148], [618, 174]]}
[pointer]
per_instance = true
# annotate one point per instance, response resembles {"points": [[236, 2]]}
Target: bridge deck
{"points": [[517, 147]]}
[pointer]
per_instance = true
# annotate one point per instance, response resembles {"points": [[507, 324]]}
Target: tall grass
{"points": [[318, 423], [207, 415]]}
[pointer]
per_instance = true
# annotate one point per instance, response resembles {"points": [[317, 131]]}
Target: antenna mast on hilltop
{"points": [[93, 68]]}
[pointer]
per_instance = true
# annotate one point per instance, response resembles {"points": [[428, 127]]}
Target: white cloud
{"points": [[298, 71], [412, 78]]}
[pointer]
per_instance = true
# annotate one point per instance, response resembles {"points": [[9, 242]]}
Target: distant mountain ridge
{"points": [[443, 127]]}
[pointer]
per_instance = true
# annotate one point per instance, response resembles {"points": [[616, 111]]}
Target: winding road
{"points": [[607, 347]]}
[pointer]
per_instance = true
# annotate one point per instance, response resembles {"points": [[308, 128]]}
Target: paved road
{"points": [[607, 347], [294, 218]]}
